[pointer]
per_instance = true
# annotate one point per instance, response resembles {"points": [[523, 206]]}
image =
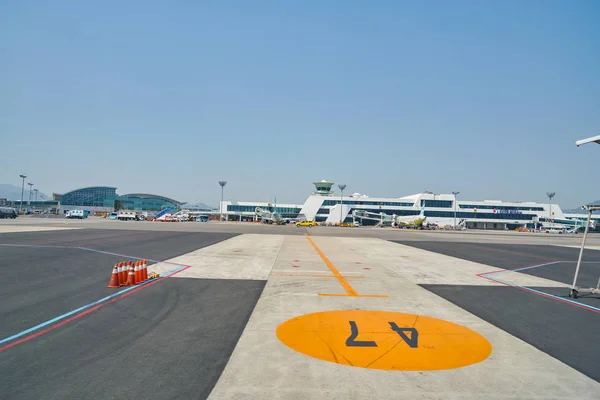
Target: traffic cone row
{"points": [[128, 274]]}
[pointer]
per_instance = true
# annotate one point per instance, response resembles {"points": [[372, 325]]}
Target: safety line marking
{"points": [[84, 311], [486, 275], [349, 290], [88, 308]]}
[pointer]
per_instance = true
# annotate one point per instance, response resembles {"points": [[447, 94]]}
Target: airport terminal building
{"points": [[325, 206], [105, 199]]}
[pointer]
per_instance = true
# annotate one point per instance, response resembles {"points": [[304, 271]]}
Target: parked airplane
{"points": [[411, 221]]}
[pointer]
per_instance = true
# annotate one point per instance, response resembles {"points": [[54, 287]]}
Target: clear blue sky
{"points": [[389, 97]]}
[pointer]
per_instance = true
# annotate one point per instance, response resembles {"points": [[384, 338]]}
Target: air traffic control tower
{"points": [[323, 188]]}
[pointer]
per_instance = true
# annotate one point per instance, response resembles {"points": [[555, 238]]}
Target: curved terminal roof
{"points": [[152, 196], [87, 188]]}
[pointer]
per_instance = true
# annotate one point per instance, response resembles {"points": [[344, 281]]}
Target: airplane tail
{"points": [[422, 213]]}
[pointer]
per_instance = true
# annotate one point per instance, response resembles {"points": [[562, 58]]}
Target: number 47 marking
{"points": [[412, 341]]}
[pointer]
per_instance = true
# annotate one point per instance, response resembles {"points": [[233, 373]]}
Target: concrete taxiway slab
{"points": [[241, 257], [515, 369]]}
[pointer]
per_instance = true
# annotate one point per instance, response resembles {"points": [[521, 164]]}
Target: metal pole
{"points": [[341, 207], [455, 193], [587, 225], [222, 183], [550, 196], [29, 199], [22, 191], [342, 187]]}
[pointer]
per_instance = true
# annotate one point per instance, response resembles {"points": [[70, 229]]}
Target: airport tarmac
{"points": [[474, 236], [279, 312]]}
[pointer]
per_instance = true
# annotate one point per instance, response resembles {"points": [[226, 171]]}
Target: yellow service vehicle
{"points": [[306, 223]]}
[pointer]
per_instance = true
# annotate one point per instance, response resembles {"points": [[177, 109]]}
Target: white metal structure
{"points": [[575, 290], [595, 139]]}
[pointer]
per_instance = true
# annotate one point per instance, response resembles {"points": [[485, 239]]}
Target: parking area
{"points": [[543, 316]]}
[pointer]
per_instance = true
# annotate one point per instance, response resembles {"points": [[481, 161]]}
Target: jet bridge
{"points": [[381, 219]]}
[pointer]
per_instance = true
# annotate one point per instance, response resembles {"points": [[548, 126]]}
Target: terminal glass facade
{"points": [[436, 203], [107, 198], [90, 197], [513, 208], [147, 203]]}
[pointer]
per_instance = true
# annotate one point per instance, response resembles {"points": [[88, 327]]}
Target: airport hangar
{"points": [[325, 206]]}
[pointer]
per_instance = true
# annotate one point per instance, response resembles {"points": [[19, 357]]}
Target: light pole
{"points": [[342, 187], [29, 199], [455, 193], [550, 196], [36, 193], [22, 190], [222, 183]]}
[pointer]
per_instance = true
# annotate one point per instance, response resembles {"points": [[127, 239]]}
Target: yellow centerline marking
{"points": [[349, 290]]}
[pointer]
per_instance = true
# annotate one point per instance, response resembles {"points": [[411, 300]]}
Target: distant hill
{"points": [[579, 210], [12, 192]]}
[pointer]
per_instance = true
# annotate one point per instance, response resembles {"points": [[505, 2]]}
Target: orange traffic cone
{"points": [[123, 277], [137, 271], [130, 277], [114, 278], [144, 271]]}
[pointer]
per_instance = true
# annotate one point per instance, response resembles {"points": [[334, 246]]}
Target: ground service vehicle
{"points": [[126, 215], [306, 223], [7, 212], [77, 214]]}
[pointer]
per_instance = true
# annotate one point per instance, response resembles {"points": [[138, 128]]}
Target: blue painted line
{"points": [[63, 316]]}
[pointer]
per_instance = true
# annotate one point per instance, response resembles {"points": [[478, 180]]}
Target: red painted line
{"points": [[85, 312]]}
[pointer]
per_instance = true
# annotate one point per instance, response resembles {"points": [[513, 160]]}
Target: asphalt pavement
{"points": [[168, 339]]}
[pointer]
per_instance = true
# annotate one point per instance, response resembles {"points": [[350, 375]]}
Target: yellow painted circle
{"points": [[371, 339]]}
